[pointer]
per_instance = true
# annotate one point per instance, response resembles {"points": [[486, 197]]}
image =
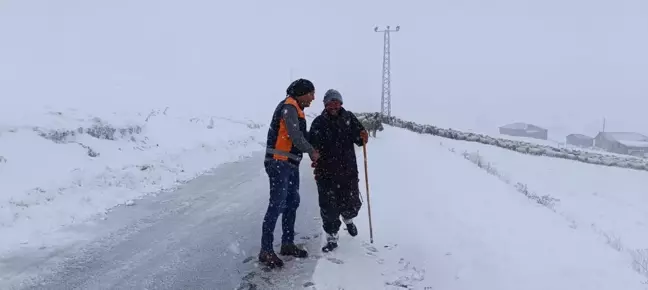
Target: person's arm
{"points": [[292, 125], [357, 129], [315, 135]]}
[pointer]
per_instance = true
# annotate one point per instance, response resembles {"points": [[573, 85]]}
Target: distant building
{"points": [[622, 142], [524, 130], [580, 140]]}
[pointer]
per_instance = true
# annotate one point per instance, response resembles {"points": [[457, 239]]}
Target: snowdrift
{"points": [[62, 167], [518, 146]]}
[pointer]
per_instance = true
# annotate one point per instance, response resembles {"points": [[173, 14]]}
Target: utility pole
{"points": [[385, 100]]}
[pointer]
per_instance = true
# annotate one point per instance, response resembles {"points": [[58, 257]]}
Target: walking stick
{"points": [[364, 150]]}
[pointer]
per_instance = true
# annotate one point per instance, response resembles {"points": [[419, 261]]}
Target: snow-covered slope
{"points": [[608, 201], [62, 167], [440, 222]]}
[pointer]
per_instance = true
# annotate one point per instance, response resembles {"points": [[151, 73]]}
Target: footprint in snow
{"points": [[370, 247], [309, 237], [248, 259], [410, 275], [334, 260], [309, 284], [390, 246]]}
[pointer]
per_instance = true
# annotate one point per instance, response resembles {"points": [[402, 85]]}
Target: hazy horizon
{"points": [[563, 65]]}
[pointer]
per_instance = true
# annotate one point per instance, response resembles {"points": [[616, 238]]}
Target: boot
{"points": [[270, 259], [351, 228], [331, 242], [293, 250], [330, 246]]}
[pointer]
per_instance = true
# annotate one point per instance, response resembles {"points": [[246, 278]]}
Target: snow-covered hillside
{"points": [[440, 222], [62, 167]]}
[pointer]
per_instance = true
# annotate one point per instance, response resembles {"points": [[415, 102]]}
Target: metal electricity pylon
{"points": [[385, 99]]}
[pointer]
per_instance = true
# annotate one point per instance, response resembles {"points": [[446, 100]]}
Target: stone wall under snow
{"points": [[518, 146]]}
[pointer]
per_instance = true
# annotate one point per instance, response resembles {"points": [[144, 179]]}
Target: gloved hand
{"points": [[315, 155], [365, 136]]}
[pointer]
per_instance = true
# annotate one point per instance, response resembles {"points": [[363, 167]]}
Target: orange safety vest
{"points": [[279, 145]]}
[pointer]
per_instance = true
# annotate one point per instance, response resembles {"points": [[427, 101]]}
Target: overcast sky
{"points": [[469, 64]]}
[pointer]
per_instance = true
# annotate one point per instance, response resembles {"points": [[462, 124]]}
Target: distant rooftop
{"points": [[522, 126], [640, 144], [580, 136], [630, 139], [625, 136]]}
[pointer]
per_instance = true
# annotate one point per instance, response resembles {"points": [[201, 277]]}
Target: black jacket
{"points": [[334, 137]]}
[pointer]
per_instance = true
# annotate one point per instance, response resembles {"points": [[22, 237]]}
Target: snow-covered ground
{"points": [[440, 222], [447, 214], [62, 167], [609, 201]]}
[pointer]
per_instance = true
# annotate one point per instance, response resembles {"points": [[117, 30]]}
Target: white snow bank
{"points": [[442, 223], [523, 147], [608, 201], [59, 168]]}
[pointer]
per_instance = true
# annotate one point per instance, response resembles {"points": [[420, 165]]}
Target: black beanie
{"points": [[300, 87]]}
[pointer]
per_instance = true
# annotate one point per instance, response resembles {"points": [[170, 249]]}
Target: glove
{"points": [[365, 136], [315, 155]]}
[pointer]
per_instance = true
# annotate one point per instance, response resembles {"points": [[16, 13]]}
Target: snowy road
{"points": [[201, 236]]}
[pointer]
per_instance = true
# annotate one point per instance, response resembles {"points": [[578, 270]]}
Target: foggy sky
{"points": [[466, 64]]}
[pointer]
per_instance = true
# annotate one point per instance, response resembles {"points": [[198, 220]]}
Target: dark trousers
{"points": [[284, 200], [338, 197]]}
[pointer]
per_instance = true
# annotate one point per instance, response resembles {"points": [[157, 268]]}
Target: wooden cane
{"points": [[364, 150]]}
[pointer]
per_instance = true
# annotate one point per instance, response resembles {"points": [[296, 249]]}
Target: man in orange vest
{"points": [[287, 141]]}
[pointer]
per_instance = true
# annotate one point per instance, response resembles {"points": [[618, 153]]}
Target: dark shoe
{"points": [[351, 228], [270, 259], [293, 250], [330, 246]]}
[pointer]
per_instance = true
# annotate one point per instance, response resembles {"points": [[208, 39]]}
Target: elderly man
{"points": [[333, 134]]}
